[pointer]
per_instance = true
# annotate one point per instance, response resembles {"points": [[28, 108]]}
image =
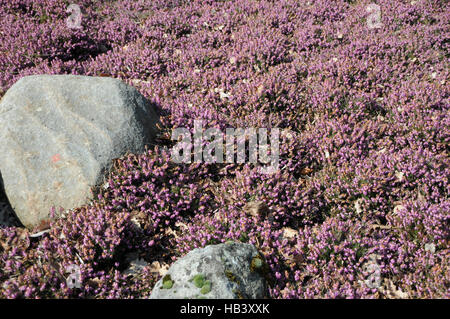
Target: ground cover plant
{"points": [[364, 149]]}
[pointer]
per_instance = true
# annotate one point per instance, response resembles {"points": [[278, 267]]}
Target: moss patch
{"points": [[231, 277], [167, 282], [200, 281], [259, 265]]}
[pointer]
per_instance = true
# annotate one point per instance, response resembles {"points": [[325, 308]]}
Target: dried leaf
{"points": [[257, 209], [157, 268], [293, 260], [289, 233], [306, 171], [398, 208]]}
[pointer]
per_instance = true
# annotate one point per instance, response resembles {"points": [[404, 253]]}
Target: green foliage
{"points": [[206, 287], [199, 280], [167, 282]]}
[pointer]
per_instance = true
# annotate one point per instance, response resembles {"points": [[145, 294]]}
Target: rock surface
{"points": [[224, 271], [59, 135]]}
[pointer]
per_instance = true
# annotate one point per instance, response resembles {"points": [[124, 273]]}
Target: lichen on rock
{"points": [[216, 271]]}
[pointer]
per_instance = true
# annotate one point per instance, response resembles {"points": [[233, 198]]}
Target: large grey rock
{"points": [[59, 135], [7, 217], [225, 271]]}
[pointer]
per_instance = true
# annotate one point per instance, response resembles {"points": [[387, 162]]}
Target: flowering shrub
{"points": [[364, 160]]}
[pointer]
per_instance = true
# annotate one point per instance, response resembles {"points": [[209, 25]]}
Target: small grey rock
{"points": [[59, 135], [224, 271]]}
